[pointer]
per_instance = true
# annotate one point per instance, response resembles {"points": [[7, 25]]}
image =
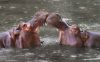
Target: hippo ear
{"points": [[85, 35], [24, 25], [21, 25]]}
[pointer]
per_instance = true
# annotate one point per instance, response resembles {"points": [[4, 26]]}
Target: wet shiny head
{"points": [[25, 26], [74, 29], [40, 18], [85, 35], [55, 20]]}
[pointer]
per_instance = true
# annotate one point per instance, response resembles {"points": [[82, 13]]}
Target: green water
{"points": [[86, 13]]}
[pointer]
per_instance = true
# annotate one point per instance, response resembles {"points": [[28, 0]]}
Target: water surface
{"points": [[86, 13]]}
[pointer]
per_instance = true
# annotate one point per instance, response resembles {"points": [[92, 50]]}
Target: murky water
{"points": [[86, 13]]}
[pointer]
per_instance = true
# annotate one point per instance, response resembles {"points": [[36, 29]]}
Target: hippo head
{"points": [[85, 35], [71, 36], [25, 27], [14, 34], [38, 20], [55, 20], [74, 29]]}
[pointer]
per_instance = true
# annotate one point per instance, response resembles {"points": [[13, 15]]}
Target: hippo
{"points": [[71, 36], [91, 39], [8, 38], [27, 37]]}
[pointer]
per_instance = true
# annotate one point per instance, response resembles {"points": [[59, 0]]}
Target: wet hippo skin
{"points": [[91, 39], [8, 38], [41, 17], [31, 38], [38, 20], [71, 36], [27, 38], [68, 35]]}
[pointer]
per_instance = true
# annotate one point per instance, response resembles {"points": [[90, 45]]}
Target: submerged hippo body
{"points": [[27, 37], [8, 38], [5, 40], [71, 36], [70, 39], [92, 39], [28, 40]]}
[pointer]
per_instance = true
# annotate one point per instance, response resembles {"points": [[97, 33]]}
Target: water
{"points": [[54, 53], [86, 13]]}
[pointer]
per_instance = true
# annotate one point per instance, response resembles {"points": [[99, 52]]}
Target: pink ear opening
{"points": [[24, 25]]}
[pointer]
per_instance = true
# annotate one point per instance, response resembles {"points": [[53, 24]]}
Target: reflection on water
{"points": [[84, 12]]}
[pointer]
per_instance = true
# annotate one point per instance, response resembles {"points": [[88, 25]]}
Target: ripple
{"points": [[87, 53], [42, 61], [25, 12], [6, 50], [73, 56], [80, 54], [42, 55], [84, 26], [2, 58], [56, 0], [82, 7], [20, 18], [92, 59], [0, 7], [19, 55], [58, 51], [36, 7], [12, 7], [94, 26], [67, 20], [29, 54], [11, 60], [49, 40]]}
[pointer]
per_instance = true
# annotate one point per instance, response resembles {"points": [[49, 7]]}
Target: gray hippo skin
{"points": [[91, 39], [8, 38], [71, 36]]}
